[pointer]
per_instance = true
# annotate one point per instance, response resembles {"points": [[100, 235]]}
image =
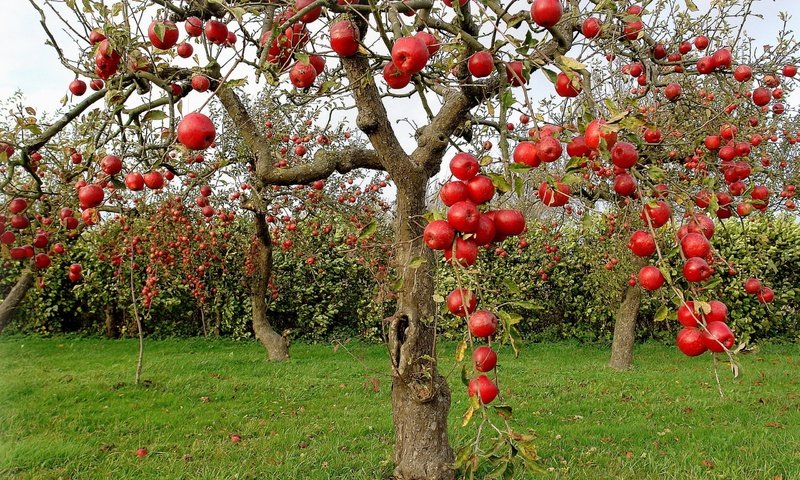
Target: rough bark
{"points": [[625, 329], [420, 395], [277, 346], [15, 298]]}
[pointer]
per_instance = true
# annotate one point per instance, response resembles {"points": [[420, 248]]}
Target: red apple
{"points": [[591, 27], [193, 26], [567, 87], [526, 153], [481, 64], [154, 180], [91, 196], [546, 13], [464, 166], [302, 75], [77, 87], [344, 38], [430, 41], [484, 358], [642, 244], [134, 181], [482, 323], [453, 192], [216, 32], [624, 155], [484, 388], [196, 131], [439, 235], [650, 278], [695, 245], [690, 341], [111, 164], [455, 302], [480, 189], [463, 216], [394, 77], [718, 337], [752, 286], [410, 54], [509, 222], [466, 252], [696, 269], [163, 34]]}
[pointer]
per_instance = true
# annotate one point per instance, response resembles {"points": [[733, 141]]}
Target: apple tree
{"points": [[454, 72]]}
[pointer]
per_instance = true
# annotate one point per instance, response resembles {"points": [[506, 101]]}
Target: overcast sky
{"points": [[32, 67]]}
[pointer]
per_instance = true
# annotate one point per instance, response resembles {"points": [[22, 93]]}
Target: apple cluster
{"points": [[466, 229]]}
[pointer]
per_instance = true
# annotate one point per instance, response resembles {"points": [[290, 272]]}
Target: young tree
{"points": [[462, 67]]}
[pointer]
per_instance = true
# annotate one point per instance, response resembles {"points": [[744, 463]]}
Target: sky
{"points": [[32, 67]]}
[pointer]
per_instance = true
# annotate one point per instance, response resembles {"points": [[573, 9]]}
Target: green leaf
{"points": [[511, 285], [236, 82], [656, 174], [551, 75], [369, 230], [500, 182], [661, 314], [507, 99], [160, 30], [569, 63], [153, 115], [416, 262], [526, 305], [572, 179]]}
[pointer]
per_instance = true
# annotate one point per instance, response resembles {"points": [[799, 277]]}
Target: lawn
{"points": [[69, 410]]}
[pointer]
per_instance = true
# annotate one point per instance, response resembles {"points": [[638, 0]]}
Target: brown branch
{"points": [[324, 164], [372, 118], [59, 125]]}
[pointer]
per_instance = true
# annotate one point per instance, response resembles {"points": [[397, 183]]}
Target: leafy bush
{"points": [[556, 281]]}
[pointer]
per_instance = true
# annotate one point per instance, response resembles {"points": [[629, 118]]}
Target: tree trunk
{"points": [[625, 329], [112, 327], [420, 395], [15, 297], [277, 346]]}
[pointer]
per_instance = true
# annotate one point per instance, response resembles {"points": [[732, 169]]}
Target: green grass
{"points": [[68, 409]]}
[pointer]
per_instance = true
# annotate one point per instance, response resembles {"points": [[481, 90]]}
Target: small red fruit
{"points": [[484, 388], [439, 235], [642, 244], [718, 337], [464, 166], [650, 278], [484, 358], [546, 13], [455, 302], [482, 323], [690, 341]]}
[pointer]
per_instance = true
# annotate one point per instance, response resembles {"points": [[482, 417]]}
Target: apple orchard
{"points": [[418, 119]]}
